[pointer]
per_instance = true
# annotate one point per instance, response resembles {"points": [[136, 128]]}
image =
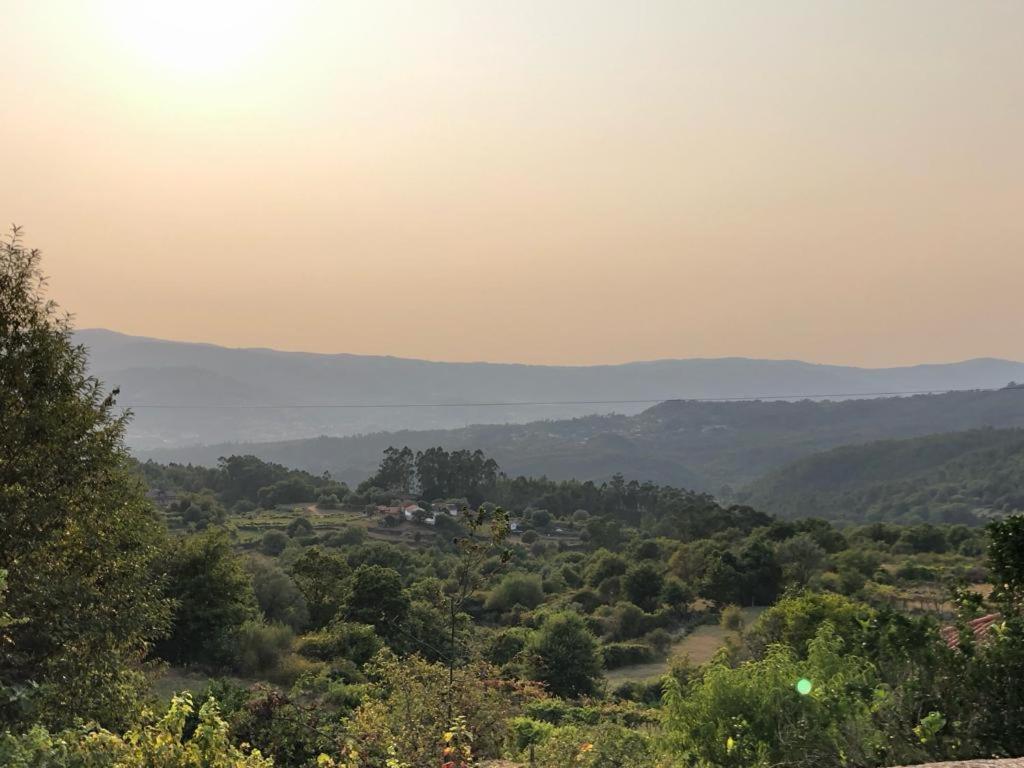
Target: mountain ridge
{"points": [[201, 380]]}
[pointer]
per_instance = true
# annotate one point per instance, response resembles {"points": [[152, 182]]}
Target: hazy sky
{"points": [[547, 181]]}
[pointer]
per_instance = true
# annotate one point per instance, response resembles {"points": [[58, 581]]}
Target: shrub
{"points": [[731, 618], [300, 526], [160, 743], [603, 746], [342, 640], [347, 535], [624, 654], [260, 647], [752, 715], [563, 655], [273, 543], [278, 597], [328, 501], [516, 589], [525, 731]]}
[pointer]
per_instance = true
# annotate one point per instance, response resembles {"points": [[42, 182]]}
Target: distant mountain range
{"points": [[952, 477], [699, 445], [214, 394]]}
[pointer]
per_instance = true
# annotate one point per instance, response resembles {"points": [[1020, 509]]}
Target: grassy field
{"points": [[700, 645]]}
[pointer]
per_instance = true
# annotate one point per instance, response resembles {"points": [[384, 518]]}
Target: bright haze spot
{"points": [[193, 36]]}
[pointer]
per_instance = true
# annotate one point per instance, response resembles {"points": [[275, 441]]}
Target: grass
{"points": [[700, 645]]}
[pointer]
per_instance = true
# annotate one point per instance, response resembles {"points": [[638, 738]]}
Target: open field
{"points": [[700, 645]]}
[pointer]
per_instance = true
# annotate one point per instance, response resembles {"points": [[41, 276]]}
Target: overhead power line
{"points": [[514, 403]]}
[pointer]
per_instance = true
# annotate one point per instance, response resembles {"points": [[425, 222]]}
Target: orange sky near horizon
{"points": [[542, 182]]}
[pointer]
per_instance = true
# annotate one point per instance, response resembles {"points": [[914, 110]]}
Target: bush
{"points": [[526, 731], [504, 646], [624, 654], [167, 742], [347, 535], [300, 526], [563, 655], [342, 640], [603, 746], [751, 715], [328, 501], [731, 618], [529, 537], [260, 647], [278, 597], [273, 543], [516, 589]]}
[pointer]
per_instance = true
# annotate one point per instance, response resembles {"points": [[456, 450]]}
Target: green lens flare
{"points": [[803, 686]]}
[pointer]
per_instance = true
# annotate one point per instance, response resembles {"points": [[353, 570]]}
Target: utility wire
{"points": [[636, 401]]}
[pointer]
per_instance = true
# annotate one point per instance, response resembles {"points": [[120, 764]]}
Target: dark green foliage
{"points": [[617, 655], [506, 645], [357, 643], [376, 597], [242, 482], [1006, 560], [277, 596], [323, 581], [564, 655], [457, 474], [946, 478], [642, 584], [259, 647], [213, 597], [516, 589], [300, 526], [77, 537], [273, 543]]}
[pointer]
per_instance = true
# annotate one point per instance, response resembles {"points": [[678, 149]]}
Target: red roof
{"points": [[980, 627]]}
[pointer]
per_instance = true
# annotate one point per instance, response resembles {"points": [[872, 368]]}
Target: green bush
{"points": [[624, 654], [523, 589], [752, 716], [260, 647], [341, 640], [273, 543]]}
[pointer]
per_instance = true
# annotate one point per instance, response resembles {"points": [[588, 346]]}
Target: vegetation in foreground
{"points": [[327, 641]]}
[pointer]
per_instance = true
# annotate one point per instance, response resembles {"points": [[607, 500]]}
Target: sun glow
{"points": [[197, 37]]}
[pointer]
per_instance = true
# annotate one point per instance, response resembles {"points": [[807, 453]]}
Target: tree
{"points": [[396, 473], [723, 583], [278, 597], [564, 655], [604, 564], [213, 598], [323, 581], [375, 597], [77, 536], [274, 542], [801, 558], [1006, 560], [642, 584]]}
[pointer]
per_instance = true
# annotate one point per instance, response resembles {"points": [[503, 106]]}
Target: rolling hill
{"points": [[211, 394], [960, 477], [699, 445]]}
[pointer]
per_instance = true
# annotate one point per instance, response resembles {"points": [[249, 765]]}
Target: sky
{"points": [[566, 182]]}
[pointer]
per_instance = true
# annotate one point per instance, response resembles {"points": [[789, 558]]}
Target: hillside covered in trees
{"points": [[958, 477], [699, 445]]}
